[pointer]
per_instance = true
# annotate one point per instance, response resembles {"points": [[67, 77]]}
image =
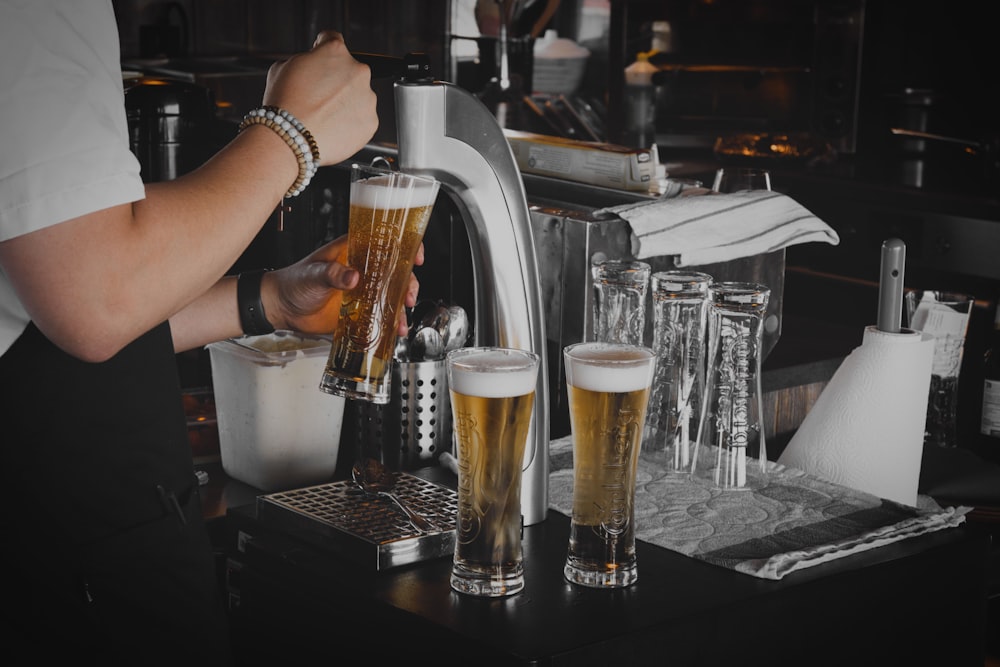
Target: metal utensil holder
{"points": [[414, 427]]}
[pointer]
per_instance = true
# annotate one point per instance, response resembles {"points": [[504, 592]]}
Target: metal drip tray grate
{"points": [[368, 529]]}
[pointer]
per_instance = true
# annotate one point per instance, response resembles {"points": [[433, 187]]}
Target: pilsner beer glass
{"points": [[680, 328], [608, 386], [492, 398], [737, 179], [731, 447], [620, 288], [388, 216]]}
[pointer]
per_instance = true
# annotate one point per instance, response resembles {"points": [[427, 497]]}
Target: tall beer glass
{"points": [[389, 214], [492, 396], [680, 324], [608, 386], [731, 448], [620, 288]]}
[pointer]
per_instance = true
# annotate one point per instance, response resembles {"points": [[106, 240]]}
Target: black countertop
{"points": [[294, 600], [297, 602]]}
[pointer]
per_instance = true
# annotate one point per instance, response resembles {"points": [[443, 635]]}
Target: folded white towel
{"points": [[710, 228]]}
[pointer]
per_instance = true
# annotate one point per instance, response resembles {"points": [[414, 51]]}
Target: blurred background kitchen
{"points": [[873, 115]]}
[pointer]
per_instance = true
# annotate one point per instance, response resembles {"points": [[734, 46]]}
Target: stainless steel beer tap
{"points": [[448, 133]]}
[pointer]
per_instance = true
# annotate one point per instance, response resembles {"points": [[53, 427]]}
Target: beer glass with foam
{"points": [[608, 386], [492, 397], [389, 213]]}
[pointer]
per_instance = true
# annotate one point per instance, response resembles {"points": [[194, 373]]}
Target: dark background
{"points": [[949, 220]]}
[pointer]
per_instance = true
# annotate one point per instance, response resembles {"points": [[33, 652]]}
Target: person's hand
{"points": [[330, 93], [308, 293]]}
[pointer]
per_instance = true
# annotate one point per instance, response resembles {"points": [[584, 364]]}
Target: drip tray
{"points": [[368, 529]]}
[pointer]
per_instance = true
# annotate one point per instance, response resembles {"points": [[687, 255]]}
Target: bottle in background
{"points": [[663, 37], [640, 103], [990, 424]]}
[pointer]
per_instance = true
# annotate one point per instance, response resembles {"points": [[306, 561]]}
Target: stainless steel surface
{"points": [[569, 236], [414, 428], [455, 331], [427, 344], [890, 296], [340, 517], [375, 479], [446, 132], [402, 350]]}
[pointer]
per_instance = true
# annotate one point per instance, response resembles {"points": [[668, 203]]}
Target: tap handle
{"points": [[411, 67], [890, 300]]}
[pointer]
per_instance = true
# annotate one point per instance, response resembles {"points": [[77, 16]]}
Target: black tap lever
{"points": [[411, 67]]}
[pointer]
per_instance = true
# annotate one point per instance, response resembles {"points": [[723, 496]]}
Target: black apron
{"points": [[102, 518]]}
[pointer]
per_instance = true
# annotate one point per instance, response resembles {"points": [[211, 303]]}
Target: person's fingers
{"points": [[412, 290], [342, 277]]}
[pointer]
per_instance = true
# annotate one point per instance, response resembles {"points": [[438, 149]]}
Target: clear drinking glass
{"points": [[389, 213], [680, 327], [608, 386], [620, 288], [730, 447], [492, 397], [735, 179], [945, 316]]}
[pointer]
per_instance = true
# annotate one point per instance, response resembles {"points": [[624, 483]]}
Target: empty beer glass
{"points": [[736, 179], [389, 212], [620, 288], [680, 326], [492, 398], [608, 386], [731, 447]]}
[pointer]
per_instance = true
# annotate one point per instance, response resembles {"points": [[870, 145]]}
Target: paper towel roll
{"points": [[866, 430]]}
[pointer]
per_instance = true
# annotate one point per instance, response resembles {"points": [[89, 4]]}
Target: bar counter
{"points": [[919, 601]]}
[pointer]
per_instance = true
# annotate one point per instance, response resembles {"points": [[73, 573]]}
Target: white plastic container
{"points": [[277, 430]]}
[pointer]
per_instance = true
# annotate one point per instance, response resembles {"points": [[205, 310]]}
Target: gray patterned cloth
{"points": [[787, 520]]}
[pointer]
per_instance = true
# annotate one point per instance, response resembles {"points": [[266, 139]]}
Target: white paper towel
{"points": [[866, 430]]}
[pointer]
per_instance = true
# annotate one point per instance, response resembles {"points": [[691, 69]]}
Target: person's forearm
{"points": [[211, 317], [202, 223], [95, 283]]}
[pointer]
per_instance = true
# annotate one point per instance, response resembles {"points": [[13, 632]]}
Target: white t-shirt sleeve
{"points": [[64, 145]]}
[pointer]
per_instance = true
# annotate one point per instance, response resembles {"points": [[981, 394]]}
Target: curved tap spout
{"points": [[447, 133]]}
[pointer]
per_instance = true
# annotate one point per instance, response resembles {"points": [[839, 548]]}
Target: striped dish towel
{"points": [[710, 228]]}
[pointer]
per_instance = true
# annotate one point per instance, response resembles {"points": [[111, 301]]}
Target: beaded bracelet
{"points": [[294, 133], [297, 124]]}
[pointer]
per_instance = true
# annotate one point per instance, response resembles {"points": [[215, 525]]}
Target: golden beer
{"points": [[608, 386], [388, 217], [492, 397]]}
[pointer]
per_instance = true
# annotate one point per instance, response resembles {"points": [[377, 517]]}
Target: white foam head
{"points": [[609, 367], [394, 191], [493, 373]]}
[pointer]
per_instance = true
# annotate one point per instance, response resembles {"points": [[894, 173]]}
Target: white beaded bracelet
{"points": [[295, 134]]}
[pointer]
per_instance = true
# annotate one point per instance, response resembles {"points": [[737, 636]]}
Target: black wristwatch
{"points": [[252, 317]]}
